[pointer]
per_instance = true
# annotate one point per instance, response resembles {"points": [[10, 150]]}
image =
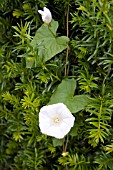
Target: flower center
{"points": [[56, 120]]}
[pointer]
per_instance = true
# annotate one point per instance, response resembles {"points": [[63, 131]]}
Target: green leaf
{"points": [[47, 42], [57, 142], [54, 26], [74, 130], [65, 94], [64, 91], [79, 102]]}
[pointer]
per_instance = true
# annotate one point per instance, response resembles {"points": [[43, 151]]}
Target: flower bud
{"points": [[46, 15]]}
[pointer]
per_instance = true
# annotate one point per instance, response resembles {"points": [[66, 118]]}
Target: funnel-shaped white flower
{"points": [[46, 15], [55, 120]]}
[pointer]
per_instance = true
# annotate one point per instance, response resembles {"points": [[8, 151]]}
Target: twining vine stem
{"points": [[66, 72], [67, 53], [67, 50]]}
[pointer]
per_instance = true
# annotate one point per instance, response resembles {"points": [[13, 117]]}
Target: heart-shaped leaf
{"points": [[65, 94], [46, 41]]}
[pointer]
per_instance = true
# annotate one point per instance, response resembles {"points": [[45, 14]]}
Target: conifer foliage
{"points": [[69, 61]]}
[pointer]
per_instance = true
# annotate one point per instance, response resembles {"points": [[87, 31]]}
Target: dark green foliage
{"points": [[28, 82]]}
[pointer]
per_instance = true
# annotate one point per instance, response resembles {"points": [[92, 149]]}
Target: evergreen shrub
{"points": [[69, 61]]}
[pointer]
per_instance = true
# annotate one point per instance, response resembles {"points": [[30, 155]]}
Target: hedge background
{"points": [[27, 83]]}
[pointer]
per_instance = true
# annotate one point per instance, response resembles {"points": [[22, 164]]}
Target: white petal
{"points": [[65, 128], [41, 12], [44, 127], [43, 18], [55, 132], [49, 111], [68, 118], [60, 107], [47, 11], [44, 118], [46, 19], [69, 121]]}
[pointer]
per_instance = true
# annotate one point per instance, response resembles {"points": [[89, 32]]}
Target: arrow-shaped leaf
{"points": [[65, 94], [47, 42]]}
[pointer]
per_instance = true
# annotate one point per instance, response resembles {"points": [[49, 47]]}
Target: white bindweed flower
{"points": [[46, 15], [55, 120]]}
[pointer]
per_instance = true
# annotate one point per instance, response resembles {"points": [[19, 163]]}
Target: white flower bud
{"points": [[46, 15]]}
